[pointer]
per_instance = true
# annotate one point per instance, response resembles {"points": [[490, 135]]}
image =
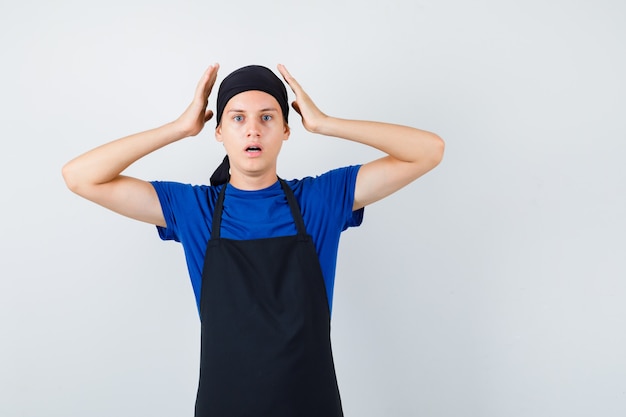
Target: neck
{"points": [[252, 183]]}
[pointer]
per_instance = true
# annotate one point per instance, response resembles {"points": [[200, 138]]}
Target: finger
{"points": [[295, 87], [283, 71], [211, 77], [208, 115], [205, 85]]}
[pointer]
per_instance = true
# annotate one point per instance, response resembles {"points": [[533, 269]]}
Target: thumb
{"points": [[208, 115], [296, 107]]}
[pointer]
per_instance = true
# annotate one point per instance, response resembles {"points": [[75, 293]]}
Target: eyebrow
{"points": [[267, 109]]}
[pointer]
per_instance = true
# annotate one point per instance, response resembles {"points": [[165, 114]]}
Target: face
{"points": [[252, 130]]}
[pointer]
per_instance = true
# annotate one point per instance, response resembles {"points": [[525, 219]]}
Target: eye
{"points": [[238, 118], [266, 117]]}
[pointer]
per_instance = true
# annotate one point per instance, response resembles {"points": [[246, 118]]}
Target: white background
{"points": [[493, 286]]}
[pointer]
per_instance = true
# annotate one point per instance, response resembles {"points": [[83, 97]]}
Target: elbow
{"points": [[438, 147], [71, 177]]}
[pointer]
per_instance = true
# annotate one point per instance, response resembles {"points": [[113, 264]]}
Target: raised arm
{"points": [[96, 175], [410, 152]]}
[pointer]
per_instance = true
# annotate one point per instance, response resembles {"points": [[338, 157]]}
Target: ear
{"points": [[286, 132], [218, 133]]}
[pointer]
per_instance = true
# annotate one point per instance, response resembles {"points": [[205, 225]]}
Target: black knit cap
{"points": [[252, 77]]}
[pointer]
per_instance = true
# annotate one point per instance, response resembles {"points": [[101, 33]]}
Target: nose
{"points": [[253, 128]]}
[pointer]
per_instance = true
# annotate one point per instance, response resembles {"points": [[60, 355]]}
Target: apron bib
{"points": [[265, 341]]}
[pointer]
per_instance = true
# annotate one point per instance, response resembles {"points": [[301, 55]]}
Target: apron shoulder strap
{"points": [[217, 214], [295, 208]]}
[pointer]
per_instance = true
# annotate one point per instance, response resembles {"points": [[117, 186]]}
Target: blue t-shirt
{"points": [[325, 202]]}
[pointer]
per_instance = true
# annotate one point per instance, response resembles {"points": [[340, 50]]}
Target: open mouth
{"points": [[253, 149]]}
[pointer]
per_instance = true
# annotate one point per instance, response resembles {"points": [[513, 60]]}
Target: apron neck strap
{"points": [[291, 199], [295, 208]]}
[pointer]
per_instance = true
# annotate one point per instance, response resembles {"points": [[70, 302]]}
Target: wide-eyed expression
{"points": [[252, 130]]}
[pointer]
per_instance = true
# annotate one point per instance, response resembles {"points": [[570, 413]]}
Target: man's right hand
{"points": [[192, 121]]}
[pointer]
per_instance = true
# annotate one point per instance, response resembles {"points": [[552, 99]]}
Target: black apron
{"points": [[265, 343]]}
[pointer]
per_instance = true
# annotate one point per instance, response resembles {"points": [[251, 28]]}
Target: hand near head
{"points": [[312, 117], [196, 115]]}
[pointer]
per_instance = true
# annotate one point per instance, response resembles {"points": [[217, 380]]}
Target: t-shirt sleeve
{"points": [[354, 218], [335, 189], [179, 203], [165, 198]]}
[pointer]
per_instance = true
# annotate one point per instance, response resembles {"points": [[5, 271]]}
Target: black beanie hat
{"points": [[252, 77]]}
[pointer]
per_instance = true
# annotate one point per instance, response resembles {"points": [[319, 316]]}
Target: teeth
{"points": [[253, 149]]}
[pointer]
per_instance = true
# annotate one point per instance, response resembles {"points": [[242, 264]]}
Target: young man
{"points": [[261, 251]]}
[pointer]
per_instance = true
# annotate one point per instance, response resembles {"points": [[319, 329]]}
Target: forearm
{"points": [[105, 163], [410, 152], [406, 144]]}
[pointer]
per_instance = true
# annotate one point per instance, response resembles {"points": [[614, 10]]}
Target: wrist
{"points": [[179, 129], [323, 125]]}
